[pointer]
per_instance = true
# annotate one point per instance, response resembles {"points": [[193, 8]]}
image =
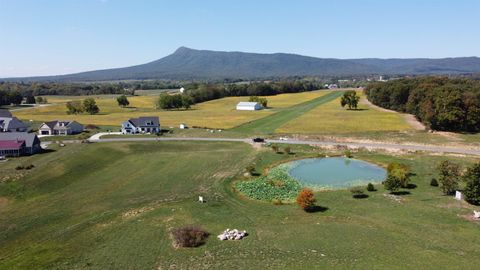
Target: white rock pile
{"points": [[232, 235]]}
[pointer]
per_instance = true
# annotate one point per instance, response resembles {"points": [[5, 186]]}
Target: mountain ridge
{"points": [[191, 64]]}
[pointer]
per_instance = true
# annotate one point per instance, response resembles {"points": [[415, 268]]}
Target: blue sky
{"points": [[44, 37]]}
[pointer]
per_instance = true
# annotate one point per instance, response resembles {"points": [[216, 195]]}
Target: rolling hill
{"points": [[186, 63]]}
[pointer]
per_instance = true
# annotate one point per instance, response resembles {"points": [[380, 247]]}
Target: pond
{"points": [[335, 172]]}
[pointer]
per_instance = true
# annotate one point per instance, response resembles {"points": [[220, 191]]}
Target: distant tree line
{"points": [[206, 92], [439, 102], [76, 89]]}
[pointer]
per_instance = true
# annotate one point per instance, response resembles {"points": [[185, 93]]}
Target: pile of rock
{"points": [[232, 235]]}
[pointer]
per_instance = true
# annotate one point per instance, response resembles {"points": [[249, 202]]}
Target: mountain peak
{"points": [[183, 49]]}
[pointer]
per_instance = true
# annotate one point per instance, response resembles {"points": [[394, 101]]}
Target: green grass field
{"points": [[331, 118], [111, 206]]}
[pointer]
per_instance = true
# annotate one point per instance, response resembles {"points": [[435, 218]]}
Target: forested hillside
{"points": [[441, 103]]}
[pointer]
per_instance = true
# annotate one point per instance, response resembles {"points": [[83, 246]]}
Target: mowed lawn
{"points": [[331, 118], [219, 113], [112, 205]]}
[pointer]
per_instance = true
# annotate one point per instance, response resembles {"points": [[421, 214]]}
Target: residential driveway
{"points": [[96, 137]]}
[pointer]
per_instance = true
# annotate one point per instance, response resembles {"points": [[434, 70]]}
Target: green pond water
{"points": [[335, 172]]}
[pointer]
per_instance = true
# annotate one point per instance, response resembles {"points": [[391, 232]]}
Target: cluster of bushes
{"points": [[167, 102], [450, 177], [88, 105], [205, 92], [441, 103], [21, 167], [8, 97], [286, 150]]}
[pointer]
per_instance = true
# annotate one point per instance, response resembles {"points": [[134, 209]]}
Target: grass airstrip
{"points": [[113, 205]]}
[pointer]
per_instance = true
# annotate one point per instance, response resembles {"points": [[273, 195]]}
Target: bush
{"points": [[31, 166], [275, 148], [287, 150], [371, 187], [277, 202], [434, 182], [400, 172], [357, 193], [472, 188], [449, 175], [348, 153], [392, 183], [19, 167], [91, 127], [189, 236], [250, 169], [306, 199]]}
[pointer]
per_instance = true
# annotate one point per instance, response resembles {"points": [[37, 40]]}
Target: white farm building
{"points": [[249, 106]]}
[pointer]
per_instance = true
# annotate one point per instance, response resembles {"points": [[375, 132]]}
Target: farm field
{"points": [[219, 113], [331, 118], [118, 213]]}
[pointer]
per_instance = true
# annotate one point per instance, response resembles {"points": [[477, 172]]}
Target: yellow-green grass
{"points": [[331, 118], [220, 113]]}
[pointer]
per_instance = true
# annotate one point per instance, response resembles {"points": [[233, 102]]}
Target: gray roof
{"points": [[55, 124], [142, 121], [11, 123], [5, 113], [29, 138]]}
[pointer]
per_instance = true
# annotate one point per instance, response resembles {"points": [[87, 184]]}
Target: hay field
{"points": [[331, 118], [219, 113]]}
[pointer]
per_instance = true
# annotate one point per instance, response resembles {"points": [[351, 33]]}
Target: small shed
{"points": [[183, 126], [249, 106], [182, 90]]}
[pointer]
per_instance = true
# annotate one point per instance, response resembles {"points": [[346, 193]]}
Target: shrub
{"points": [[357, 193], [392, 183], [287, 150], [472, 188], [449, 175], [277, 202], [91, 127], [348, 153], [19, 167], [275, 148], [31, 166], [250, 169], [400, 172], [189, 236], [306, 199], [370, 187], [434, 182]]}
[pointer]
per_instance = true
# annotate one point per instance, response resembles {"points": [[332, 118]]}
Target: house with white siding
{"points": [[146, 124]]}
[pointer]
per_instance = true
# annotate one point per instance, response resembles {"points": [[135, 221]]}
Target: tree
{"points": [[30, 99], [472, 188], [74, 107], [260, 100], [287, 150], [41, 100], [306, 199], [275, 148], [123, 101], [392, 183], [400, 172], [90, 106], [166, 101], [449, 175], [350, 99]]}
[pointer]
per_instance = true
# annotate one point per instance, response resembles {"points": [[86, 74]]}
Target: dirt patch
{"points": [[395, 198], [3, 203], [470, 217], [135, 212]]}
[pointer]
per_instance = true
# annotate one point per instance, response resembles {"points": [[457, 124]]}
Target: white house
{"points": [[60, 128], [249, 106], [12, 124], [333, 86], [149, 124]]}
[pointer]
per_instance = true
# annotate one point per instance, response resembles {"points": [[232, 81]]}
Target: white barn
{"points": [[249, 106]]}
